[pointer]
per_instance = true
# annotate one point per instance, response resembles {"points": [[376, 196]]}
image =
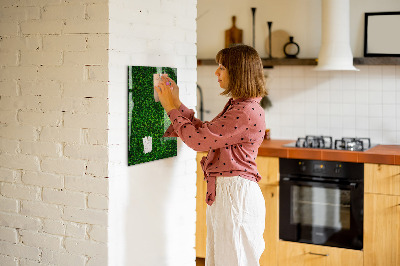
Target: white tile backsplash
{"points": [[349, 96], [323, 94], [375, 97], [336, 96], [389, 97], [348, 109], [363, 103], [375, 83], [375, 110], [389, 111], [362, 123], [389, 124], [336, 109], [389, 83], [336, 122], [362, 97], [362, 110]]}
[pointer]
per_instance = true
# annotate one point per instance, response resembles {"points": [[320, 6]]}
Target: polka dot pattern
{"points": [[232, 139]]}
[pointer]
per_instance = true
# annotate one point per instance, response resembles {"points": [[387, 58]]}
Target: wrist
{"points": [[177, 104], [169, 109]]}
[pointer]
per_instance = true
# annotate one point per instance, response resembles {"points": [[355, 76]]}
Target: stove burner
{"points": [[324, 142], [353, 144]]}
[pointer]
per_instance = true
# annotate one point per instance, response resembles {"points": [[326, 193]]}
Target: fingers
{"points": [[163, 82], [164, 85], [158, 90], [169, 81], [172, 82], [163, 89]]}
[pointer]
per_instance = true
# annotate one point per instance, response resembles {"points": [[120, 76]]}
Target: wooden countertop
{"points": [[380, 154]]}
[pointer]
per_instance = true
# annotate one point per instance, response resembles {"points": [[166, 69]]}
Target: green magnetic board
{"points": [[147, 119]]}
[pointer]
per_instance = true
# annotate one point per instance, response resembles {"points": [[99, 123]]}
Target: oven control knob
{"points": [[302, 166], [338, 168]]}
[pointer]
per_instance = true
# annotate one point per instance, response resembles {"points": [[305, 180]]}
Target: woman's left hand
{"points": [[165, 95]]}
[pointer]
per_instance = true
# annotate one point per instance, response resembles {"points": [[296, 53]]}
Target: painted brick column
{"points": [[53, 132]]}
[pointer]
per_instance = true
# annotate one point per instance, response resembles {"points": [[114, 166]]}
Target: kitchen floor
{"points": [[200, 262]]}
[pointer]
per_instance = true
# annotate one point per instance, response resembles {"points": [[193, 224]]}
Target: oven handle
{"points": [[310, 182]]}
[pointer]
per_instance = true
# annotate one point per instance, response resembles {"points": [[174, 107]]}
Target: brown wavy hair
{"points": [[245, 69]]}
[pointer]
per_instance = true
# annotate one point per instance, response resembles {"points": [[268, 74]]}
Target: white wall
{"points": [[337, 103], [301, 19], [152, 205], [53, 133]]}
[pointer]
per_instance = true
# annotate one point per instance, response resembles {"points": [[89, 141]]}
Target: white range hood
{"points": [[335, 52]]}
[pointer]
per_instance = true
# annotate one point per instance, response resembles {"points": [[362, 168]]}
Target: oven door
{"points": [[321, 212]]}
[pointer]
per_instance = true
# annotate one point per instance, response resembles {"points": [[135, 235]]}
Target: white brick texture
{"points": [[63, 90], [35, 239], [62, 258], [53, 132], [8, 234]]}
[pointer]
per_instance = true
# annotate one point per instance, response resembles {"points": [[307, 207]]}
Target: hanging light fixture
{"points": [[335, 52]]}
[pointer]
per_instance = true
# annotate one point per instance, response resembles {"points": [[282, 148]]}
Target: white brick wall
{"points": [[152, 205], [53, 132]]}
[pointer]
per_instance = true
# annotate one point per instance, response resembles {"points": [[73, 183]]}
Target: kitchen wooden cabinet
{"points": [[300, 254], [268, 168], [201, 205], [381, 221], [382, 215], [271, 232], [382, 179]]}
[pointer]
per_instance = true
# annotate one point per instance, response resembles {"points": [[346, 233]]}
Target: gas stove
{"points": [[326, 142]]}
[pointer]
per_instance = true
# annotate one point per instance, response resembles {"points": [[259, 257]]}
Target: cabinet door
{"points": [[268, 168], [382, 179], [381, 230], [271, 232], [201, 205], [299, 254]]}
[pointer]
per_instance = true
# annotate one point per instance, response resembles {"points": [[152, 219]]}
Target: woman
{"points": [[236, 212]]}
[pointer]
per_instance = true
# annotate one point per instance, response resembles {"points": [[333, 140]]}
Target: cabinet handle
{"points": [[319, 254]]}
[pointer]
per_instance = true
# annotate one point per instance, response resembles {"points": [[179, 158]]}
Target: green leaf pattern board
{"points": [[147, 119]]}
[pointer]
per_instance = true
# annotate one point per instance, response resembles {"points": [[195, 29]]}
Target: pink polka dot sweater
{"points": [[232, 139]]}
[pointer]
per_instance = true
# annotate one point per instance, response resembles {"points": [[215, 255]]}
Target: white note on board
{"points": [[147, 144]]}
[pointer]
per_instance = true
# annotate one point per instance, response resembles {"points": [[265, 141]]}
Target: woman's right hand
{"points": [[175, 91]]}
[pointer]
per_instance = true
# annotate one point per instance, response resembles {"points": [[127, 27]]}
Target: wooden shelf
{"points": [[289, 62], [377, 61], [269, 63]]}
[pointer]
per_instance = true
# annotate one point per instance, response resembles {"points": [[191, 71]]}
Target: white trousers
{"points": [[235, 223]]}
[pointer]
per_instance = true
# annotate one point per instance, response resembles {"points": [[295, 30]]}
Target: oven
{"points": [[321, 202]]}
